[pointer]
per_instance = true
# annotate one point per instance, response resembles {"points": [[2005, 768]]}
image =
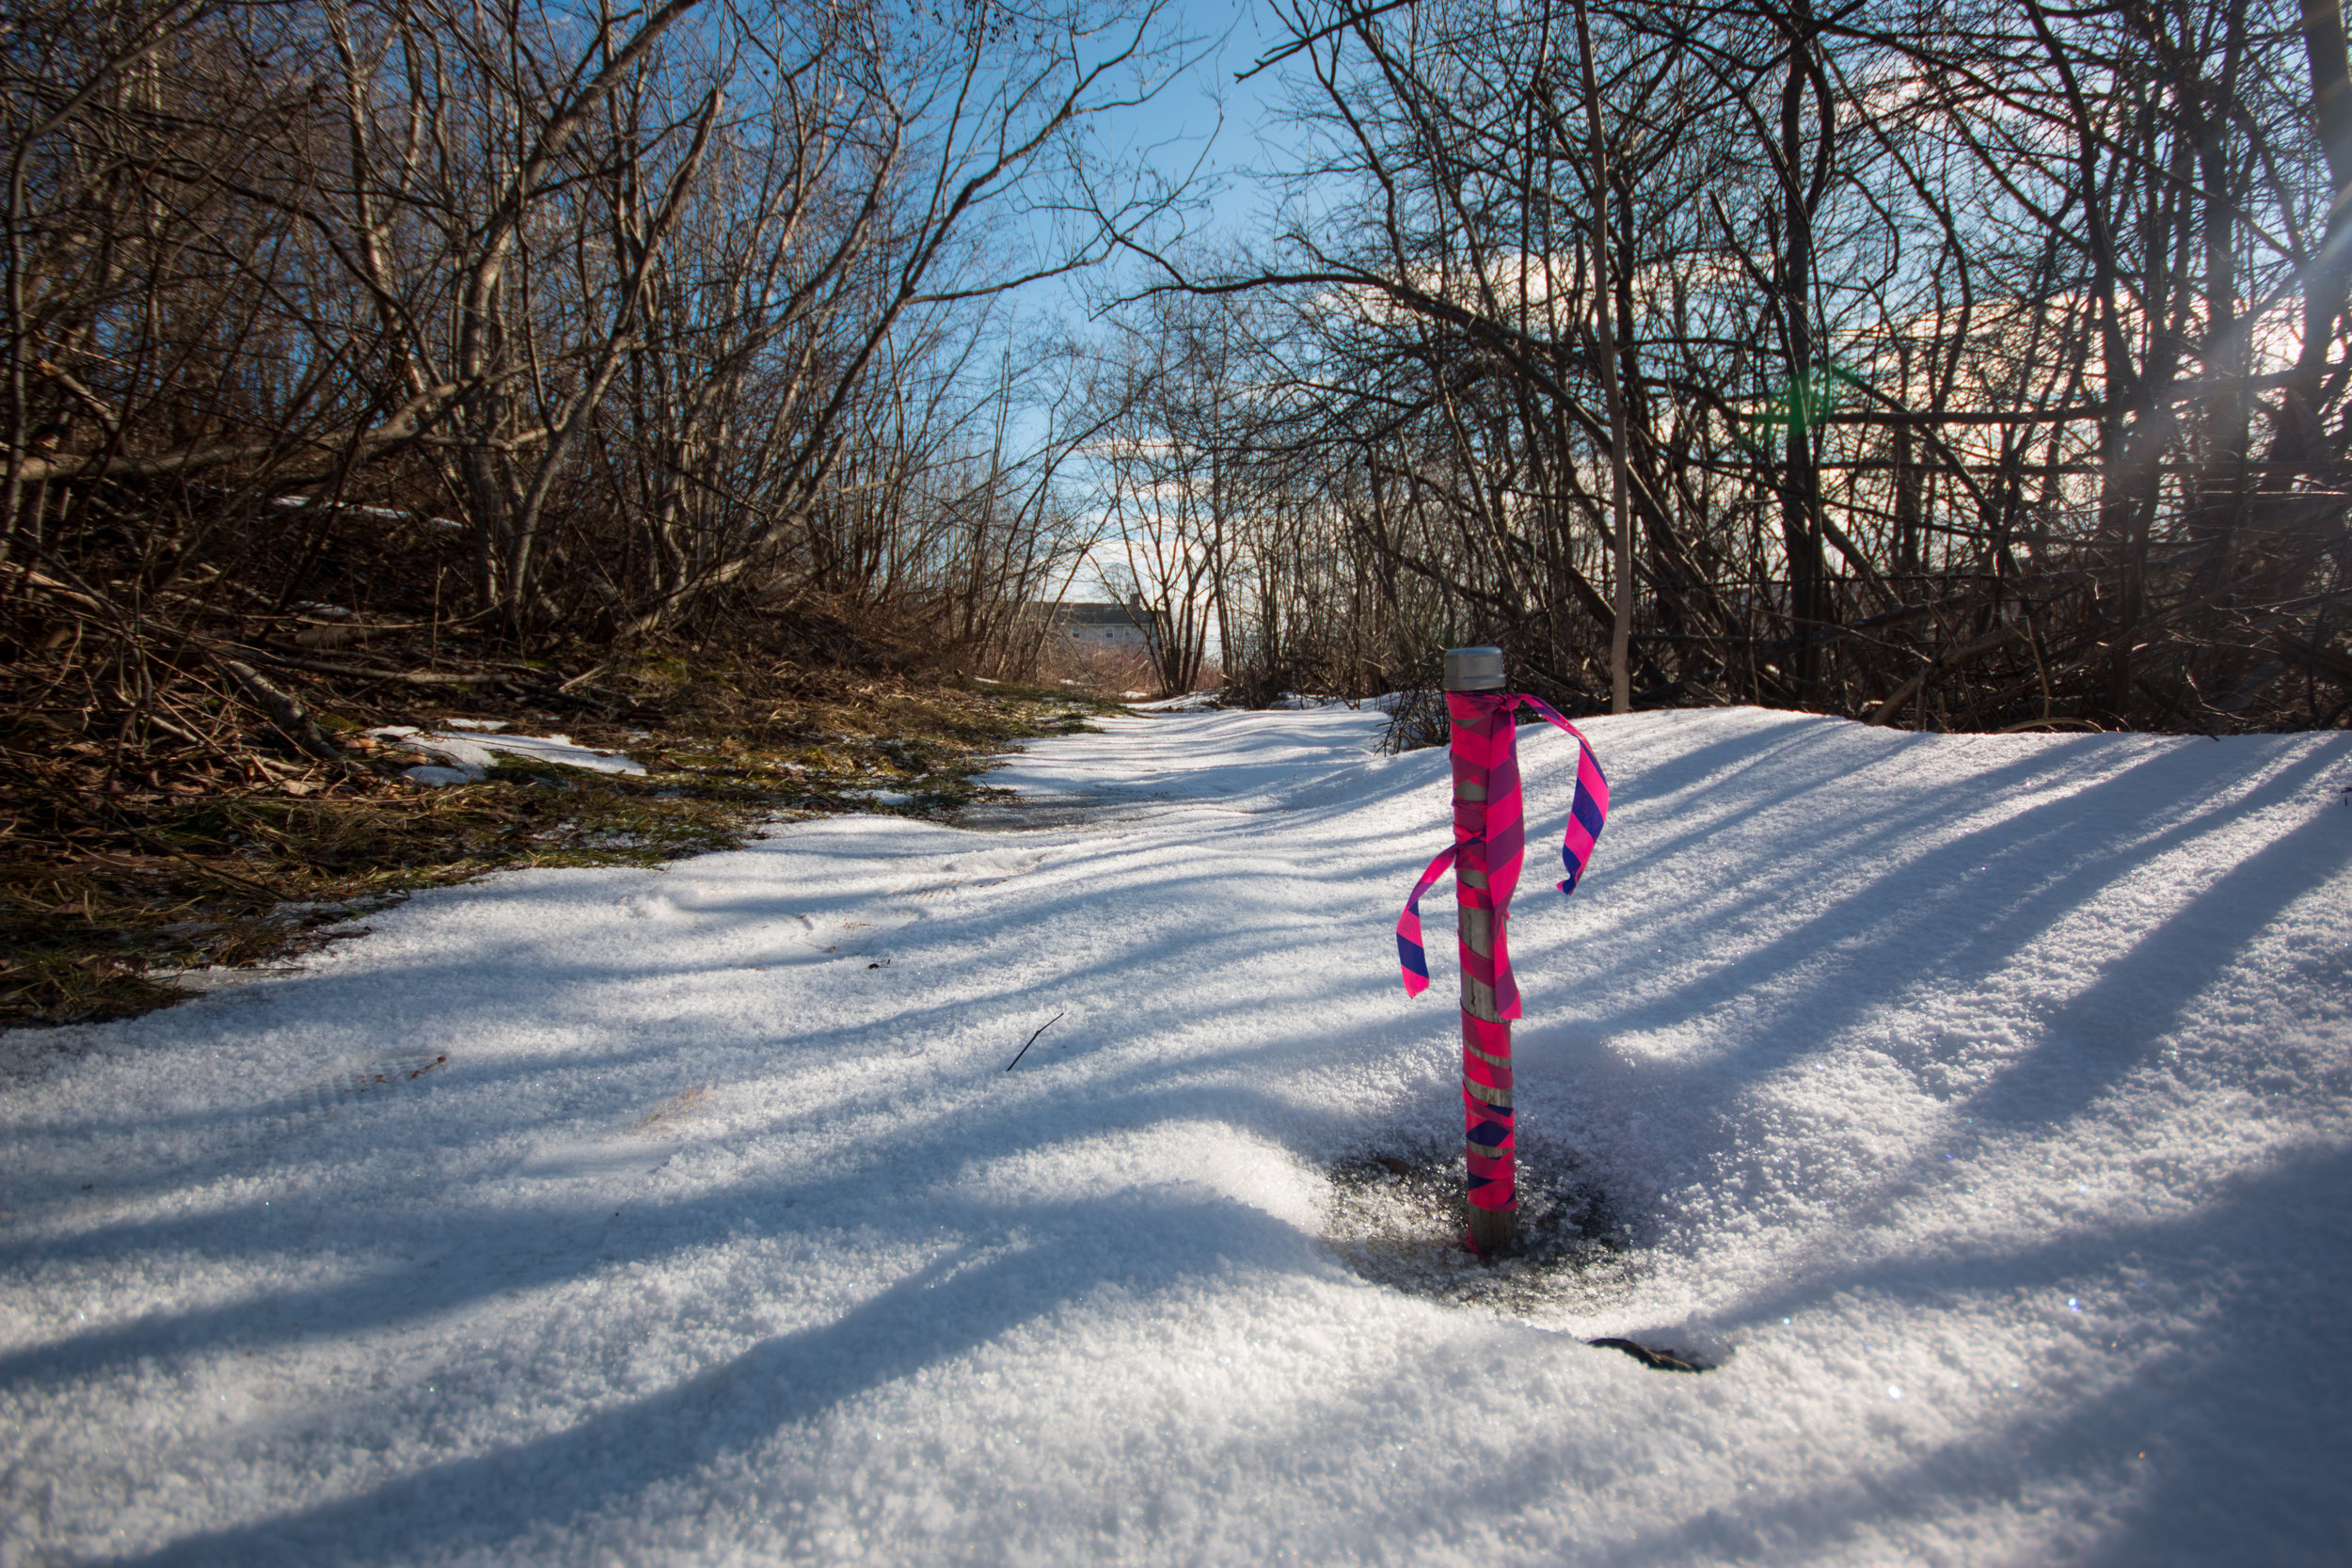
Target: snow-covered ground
{"points": [[468, 757], [1984, 1105]]}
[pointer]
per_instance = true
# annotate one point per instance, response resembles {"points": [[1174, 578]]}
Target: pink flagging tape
{"points": [[1408, 947], [1484, 1035], [1491, 836], [1492, 1075], [1489, 848]]}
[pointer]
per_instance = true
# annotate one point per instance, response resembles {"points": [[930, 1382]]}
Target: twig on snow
{"points": [[1032, 1040]]}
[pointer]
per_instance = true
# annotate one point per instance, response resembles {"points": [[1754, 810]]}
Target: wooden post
{"points": [[1492, 1231]]}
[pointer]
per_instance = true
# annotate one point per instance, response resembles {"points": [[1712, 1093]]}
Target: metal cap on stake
{"points": [[1485, 1034], [1473, 669]]}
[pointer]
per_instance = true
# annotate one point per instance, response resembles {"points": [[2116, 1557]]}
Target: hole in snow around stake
{"points": [[1396, 1215]]}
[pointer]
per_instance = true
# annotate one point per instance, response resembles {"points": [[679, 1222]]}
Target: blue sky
{"points": [[1203, 121]]}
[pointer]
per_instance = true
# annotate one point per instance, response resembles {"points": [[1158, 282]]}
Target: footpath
{"points": [[1980, 1107]]}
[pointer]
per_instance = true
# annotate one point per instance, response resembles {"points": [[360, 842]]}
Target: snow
{"points": [[468, 758], [1982, 1105], [434, 775], [562, 748]]}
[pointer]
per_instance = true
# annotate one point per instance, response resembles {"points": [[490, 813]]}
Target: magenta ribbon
{"points": [[1491, 836]]}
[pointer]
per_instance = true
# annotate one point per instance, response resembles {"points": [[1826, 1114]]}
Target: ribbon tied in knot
{"points": [[1490, 835]]}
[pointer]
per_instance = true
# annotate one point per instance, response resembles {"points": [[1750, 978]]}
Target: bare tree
{"points": [[1927, 345]]}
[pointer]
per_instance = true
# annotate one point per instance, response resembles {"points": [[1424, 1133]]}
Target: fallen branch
{"points": [[284, 710], [1951, 660], [364, 672]]}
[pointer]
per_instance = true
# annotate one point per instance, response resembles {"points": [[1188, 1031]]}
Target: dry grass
{"points": [[109, 885]]}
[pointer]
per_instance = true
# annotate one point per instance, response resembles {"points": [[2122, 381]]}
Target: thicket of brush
{"points": [[374, 362], [1955, 364]]}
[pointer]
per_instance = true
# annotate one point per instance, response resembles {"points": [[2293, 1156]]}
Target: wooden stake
{"points": [[1492, 1231]]}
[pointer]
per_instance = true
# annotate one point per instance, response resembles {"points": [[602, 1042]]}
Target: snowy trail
{"points": [[1983, 1103]]}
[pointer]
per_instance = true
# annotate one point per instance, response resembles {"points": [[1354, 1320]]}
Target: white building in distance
{"points": [[1106, 627]]}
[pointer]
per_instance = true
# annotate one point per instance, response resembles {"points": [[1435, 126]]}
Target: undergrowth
{"points": [[112, 887]]}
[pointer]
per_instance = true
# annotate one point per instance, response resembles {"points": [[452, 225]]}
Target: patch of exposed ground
{"points": [[1399, 1218], [117, 896]]}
